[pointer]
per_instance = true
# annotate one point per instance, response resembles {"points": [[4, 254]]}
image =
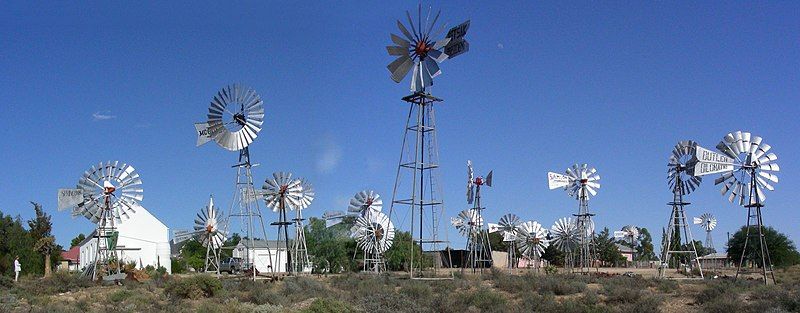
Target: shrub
{"points": [[327, 305], [622, 293], [59, 282], [194, 287], [119, 295], [560, 285], [550, 270], [301, 288], [723, 303]]}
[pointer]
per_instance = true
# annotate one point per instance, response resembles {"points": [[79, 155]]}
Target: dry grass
{"points": [[496, 291]]}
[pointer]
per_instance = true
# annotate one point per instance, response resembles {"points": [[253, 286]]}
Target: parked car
{"points": [[231, 265]]}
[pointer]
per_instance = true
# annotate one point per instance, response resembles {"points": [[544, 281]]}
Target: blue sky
{"points": [[544, 85]]}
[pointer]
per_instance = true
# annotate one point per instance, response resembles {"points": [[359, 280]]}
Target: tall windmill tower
{"points": [[747, 170], [480, 251], [580, 182], [235, 116], [678, 245], [106, 194], [420, 50], [708, 222]]}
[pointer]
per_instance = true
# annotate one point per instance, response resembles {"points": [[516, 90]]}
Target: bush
{"points": [[327, 305], [194, 287], [119, 295], [301, 288], [59, 282], [560, 285]]}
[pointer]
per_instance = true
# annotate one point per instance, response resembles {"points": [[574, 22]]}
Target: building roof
{"points": [[261, 244], [72, 255], [624, 249], [718, 255]]}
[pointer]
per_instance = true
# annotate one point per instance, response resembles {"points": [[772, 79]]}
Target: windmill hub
{"points": [[421, 49], [108, 188], [479, 181], [240, 119], [584, 181]]}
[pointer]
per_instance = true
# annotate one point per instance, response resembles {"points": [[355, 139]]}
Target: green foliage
{"points": [[398, 257], [550, 270], [178, 265], [645, 250], [781, 249], [229, 245], [15, 240], [194, 287], [77, 240], [328, 305], [119, 295], [553, 255], [606, 248], [331, 247], [194, 254]]}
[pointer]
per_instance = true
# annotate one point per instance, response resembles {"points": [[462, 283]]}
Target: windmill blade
{"points": [[400, 67], [405, 32], [397, 50]]}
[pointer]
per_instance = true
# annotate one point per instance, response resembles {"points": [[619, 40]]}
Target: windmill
{"points": [[708, 222], [469, 224], [580, 182], [235, 116], [420, 51], [209, 230], [302, 263], [508, 227], [747, 169], [477, 238], [532, 240], [566, 237], [106, 194], [676, 248], [282, 193], [374, 234], [629, 234], [364, 205]]}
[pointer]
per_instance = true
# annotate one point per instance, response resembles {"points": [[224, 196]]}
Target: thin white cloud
{"points": [[500, 46], [98, 116], [330, 156]]}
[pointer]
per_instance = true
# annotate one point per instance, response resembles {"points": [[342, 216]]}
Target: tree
{"points": [[398, 258], [606, 248], [553, 255], [77, 240], [781, 250], [41, 228], [194, 254], [645, 250], [331, 248], [15, 240]]}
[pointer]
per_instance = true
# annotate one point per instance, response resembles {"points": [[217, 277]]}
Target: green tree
{"points": [[645, 250], [781, 250], [44, 243], [15, 240], [398, 258], [553, 255], [331, 248], [77, 240], [194, 254], [606, 248]]}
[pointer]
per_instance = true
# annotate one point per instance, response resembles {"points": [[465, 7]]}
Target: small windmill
{"points": [[420, 51], [708, 222], [508, 226], [580, 182], [747, 169], [302, 263], [477, 238], [565, 236], [532, 240], [367, 205], [681, 181], [209, 230], [282, 193], [629, 234], [374, 234], [106, 194]]}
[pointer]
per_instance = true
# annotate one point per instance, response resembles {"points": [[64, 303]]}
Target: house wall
{"points": [[143, 231], [262, 258]]}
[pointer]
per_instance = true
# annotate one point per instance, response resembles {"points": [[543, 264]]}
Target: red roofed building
{"points": [[70, 259]]}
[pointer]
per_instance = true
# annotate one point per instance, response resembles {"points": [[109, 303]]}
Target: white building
{"points": [[142, 239], [262, 252]]}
